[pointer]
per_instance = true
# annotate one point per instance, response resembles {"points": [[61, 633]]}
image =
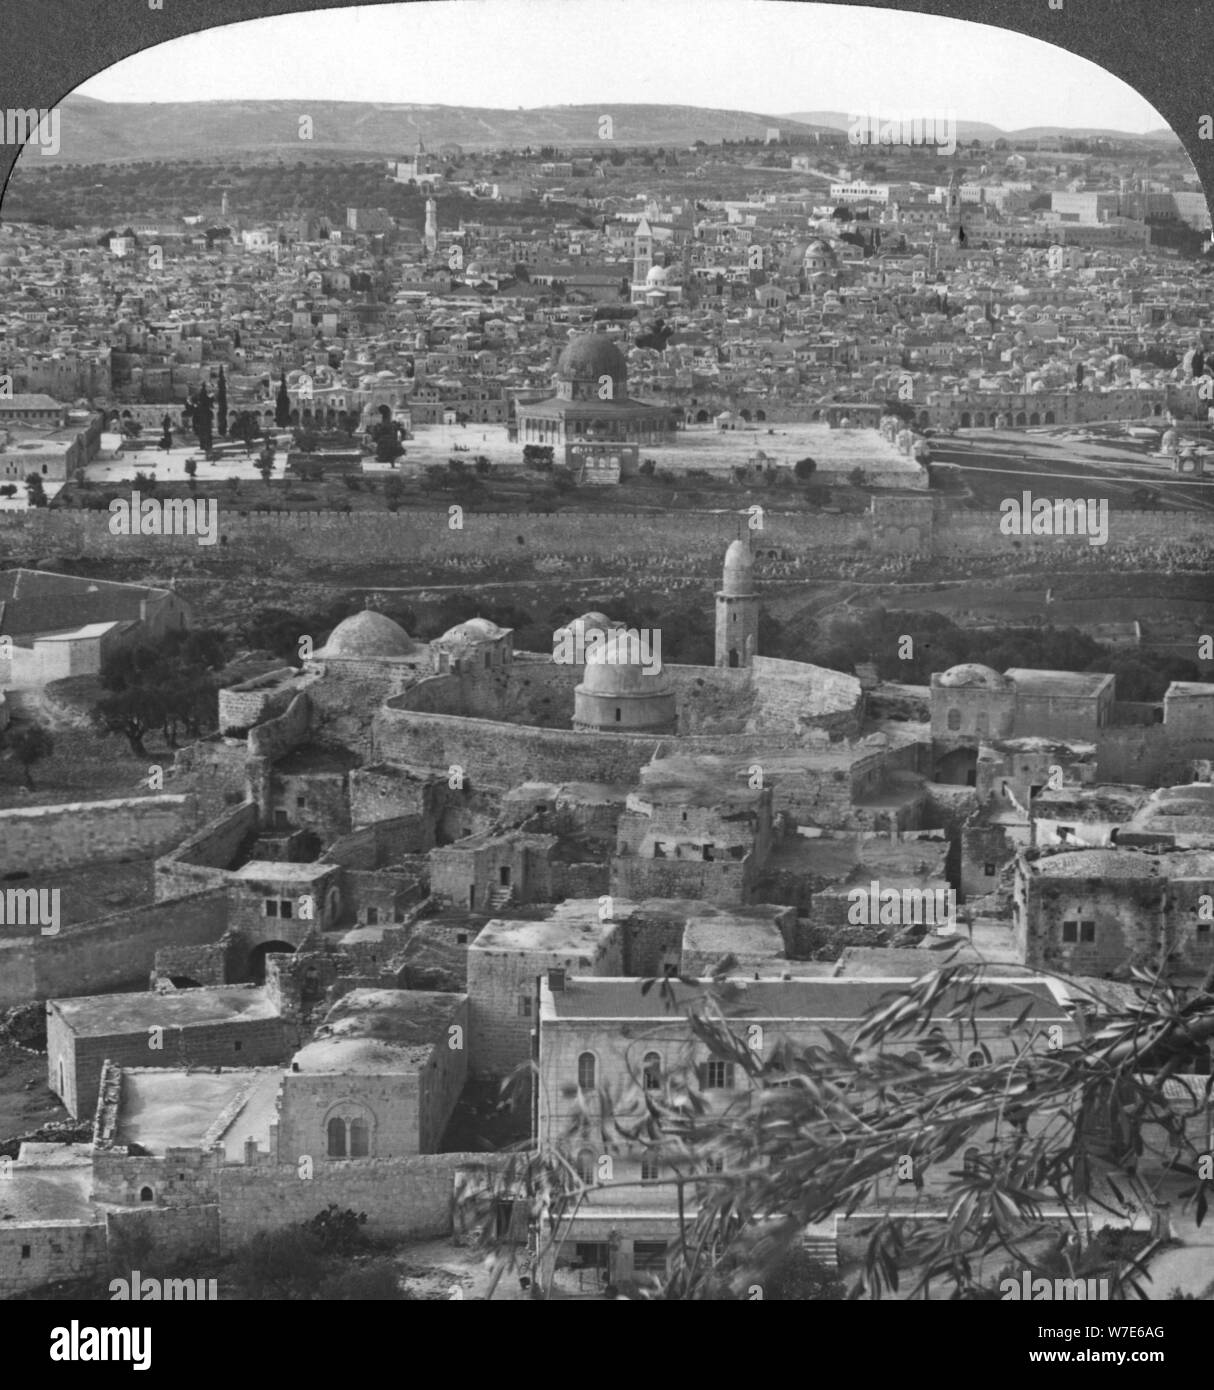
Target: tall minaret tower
{"points": [[431, 226], [737, 607]]}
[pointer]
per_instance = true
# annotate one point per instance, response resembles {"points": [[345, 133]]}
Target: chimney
{"points": [[556, 980]]}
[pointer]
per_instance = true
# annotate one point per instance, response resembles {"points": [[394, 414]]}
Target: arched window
{"points": [[954, 720], [587, 1166], [586, 1069], [337, 1137], [146, 1194], [979, 1057], [359, 1139], [651, 1072]]}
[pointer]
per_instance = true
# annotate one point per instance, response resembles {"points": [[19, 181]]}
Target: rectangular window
{"points": [[1202, 927], [372, 916], [286, 908], [989, 870], [25, 1252], [718, 1076], [524, 1006], [651, 1169], [1070, 931], [1087, 932], [270, 906]]}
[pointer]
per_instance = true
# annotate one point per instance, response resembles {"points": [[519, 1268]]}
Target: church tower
{"points": [[642, 253], [431, 226], [737, 607], [956, 227]]}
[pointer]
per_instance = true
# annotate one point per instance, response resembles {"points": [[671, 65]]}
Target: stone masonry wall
{"points": [[43, 838]]}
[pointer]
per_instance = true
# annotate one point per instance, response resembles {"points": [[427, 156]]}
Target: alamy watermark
{"points": [[1027, 515], [76, 1343], [146, 1289], [873, 127], [620, 646], [903, 907], [32, 907], [169, 516], [31, 126], [1039, 1290]]}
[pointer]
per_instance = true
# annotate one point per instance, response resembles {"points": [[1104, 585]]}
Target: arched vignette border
{"points": [[1161, 48]]}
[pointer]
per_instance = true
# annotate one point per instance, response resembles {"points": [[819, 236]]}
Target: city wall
{"points": [[121, 949], [41, 839], [411, 536]]}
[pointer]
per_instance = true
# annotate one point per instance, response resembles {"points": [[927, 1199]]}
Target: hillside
{"points": [[981, 130], [96, 131]]}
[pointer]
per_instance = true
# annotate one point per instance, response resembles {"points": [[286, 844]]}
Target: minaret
{"points": [[737, 607], [431, 226]]}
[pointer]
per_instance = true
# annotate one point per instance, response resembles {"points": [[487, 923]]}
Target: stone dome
{"points": [[617, 670], [590, 356], [739, 573], [618, 694], [368, 635], [658, 275], [472, 631], [587, 623], [971, 675], [820, 251]]}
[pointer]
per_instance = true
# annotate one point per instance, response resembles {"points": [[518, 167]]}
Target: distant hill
{"points": [[980, 130], [96, 131]]}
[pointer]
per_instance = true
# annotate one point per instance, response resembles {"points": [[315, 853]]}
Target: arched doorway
{"points": [[257, 958]]}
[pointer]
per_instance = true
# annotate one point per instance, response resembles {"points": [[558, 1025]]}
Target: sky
{"points": [[750, 55]]}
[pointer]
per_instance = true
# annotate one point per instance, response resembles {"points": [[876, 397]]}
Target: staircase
{"points": [[821, 1244], [500, 898]]}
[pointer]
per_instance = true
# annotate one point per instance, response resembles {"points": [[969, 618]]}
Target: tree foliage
{"points": [[814, 1131]]}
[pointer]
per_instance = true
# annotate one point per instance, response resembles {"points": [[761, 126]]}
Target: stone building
{"points": [[591, 401], [608, 1036], [506, 959], [232, 1025], [691, 830], [1102, 911], [477, 644], [619, 693], [380, 1078]]}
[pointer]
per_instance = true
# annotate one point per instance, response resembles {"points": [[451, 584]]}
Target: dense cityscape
{"points": [[600, 702]]}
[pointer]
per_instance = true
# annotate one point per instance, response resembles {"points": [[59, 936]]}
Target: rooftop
{"points": [[1125, 864], [824, 999], [162, 1109], [377, 1030], [1071, 684], [107, 1015], [571, 925]]}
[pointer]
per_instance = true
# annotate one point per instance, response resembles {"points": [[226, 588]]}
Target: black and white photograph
{"points": [[606, 670]]}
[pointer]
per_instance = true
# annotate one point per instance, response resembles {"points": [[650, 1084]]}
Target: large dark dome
{"points": [[590, 356]]}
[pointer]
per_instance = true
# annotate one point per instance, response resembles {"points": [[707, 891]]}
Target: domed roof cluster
{"points": [[368, 635], [971, 675]]}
